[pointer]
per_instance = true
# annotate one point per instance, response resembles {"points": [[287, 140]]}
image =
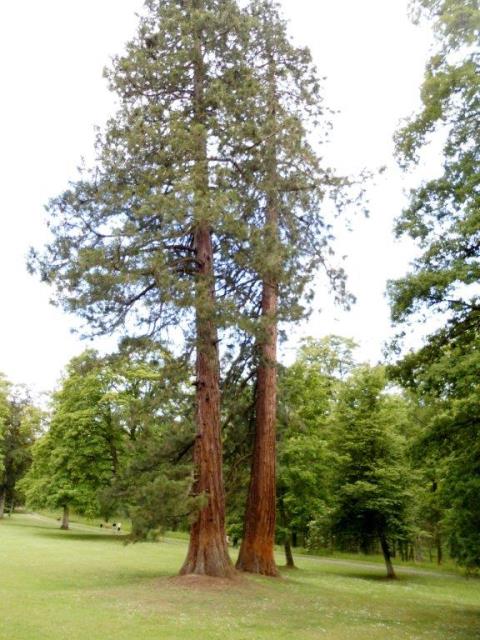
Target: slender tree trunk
{"points": [[257, 549], [208, 551], [65, 518], [110, 438], [3, 494], [387, 556], [438, 542], [288, 552], [287, 540]]}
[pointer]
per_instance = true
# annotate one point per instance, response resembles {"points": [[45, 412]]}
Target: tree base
{"points": [[212, 560], [251, 561]]}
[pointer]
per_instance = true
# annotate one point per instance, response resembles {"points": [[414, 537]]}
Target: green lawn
{"points": [[87, 585]]}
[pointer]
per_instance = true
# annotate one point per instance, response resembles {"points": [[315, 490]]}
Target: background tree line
{"points": [[358, 469]]}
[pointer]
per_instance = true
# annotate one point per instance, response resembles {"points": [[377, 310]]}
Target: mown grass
{"points": [[447, 566], [86, 584]]}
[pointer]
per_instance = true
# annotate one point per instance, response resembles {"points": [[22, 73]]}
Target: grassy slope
{"points": [[85, 585]]}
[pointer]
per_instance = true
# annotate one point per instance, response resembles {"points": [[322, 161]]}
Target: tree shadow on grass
{"points": [[379, 577], [58, 534]]}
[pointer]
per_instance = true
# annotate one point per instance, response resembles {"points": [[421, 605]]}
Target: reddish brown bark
{"points": [[257, 549], [208, 551]]}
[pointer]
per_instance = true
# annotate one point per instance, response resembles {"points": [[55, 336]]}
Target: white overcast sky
{"points": [[52, 54]]}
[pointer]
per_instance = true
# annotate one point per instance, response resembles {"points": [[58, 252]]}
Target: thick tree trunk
{"points": [[257, 549], [3, 495], [65, 518], [208, 551], [387, 556]]}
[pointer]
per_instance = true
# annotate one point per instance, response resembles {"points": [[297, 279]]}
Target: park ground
{"points": [[86, 584]]}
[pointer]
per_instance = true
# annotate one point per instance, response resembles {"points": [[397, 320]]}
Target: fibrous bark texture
{"points": [[257, 549], [208, 551]]}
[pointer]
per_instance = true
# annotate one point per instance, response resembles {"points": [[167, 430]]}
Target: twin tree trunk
{"points": [[208, 551]]}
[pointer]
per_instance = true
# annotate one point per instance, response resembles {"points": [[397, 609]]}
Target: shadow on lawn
{"points": [[58, 534]]}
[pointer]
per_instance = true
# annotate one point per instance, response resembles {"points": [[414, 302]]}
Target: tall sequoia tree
{"points": [[288, 234], [133, 238]]}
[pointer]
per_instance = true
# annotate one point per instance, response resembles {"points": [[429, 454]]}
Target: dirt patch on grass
{"points": [[207, 583]]}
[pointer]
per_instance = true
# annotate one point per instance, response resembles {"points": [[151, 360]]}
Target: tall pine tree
{"points": [[133, 238], [288, 234]]}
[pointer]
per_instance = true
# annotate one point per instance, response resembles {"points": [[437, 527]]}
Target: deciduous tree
{"points": [[372, 477], [443, 217]]}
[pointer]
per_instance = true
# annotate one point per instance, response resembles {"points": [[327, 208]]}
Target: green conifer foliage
{"points": [[283, 186], [133, 241]]}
